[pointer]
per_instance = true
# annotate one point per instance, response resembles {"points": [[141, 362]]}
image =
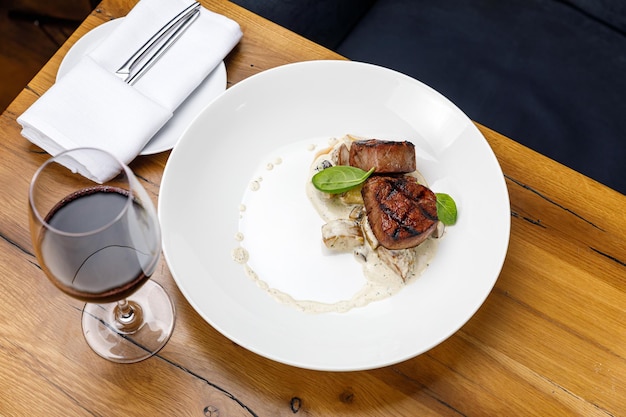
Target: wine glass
{"points": [[100, 243]]}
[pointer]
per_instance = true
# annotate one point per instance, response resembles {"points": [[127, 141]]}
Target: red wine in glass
{"points": [[100, 243]]}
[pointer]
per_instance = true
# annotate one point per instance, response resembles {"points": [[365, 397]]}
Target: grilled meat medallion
{"points": [[401, 212], [387, 157]]}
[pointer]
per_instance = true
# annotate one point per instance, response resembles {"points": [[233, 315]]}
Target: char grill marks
{"points": [[402, 213]]}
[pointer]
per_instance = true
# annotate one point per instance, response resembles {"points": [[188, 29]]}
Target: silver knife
{"points": [[171, 31]]}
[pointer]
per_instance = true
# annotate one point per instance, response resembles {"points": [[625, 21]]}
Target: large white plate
{"points": [[165, 139], [276, 114]]}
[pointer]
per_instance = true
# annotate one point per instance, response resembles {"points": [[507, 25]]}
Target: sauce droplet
{"points": [[240, 255]]}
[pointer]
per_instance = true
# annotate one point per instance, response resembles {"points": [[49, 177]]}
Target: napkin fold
{"points": [[91, 107]]}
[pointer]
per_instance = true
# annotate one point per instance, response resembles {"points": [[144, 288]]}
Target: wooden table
{"points": [[549, 340]]}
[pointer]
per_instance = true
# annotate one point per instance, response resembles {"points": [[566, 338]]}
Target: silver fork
{"points": [[174, 28]]}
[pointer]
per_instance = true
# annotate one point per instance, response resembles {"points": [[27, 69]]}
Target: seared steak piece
{"points": [[401, 212], [386, 157]]}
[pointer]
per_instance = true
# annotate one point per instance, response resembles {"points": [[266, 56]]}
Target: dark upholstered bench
{"points": [[550, 74]]}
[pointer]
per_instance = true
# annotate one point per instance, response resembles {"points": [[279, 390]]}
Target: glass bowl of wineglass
{"points": [[100, 242]]}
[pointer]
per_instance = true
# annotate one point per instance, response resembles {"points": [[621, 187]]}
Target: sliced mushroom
{"points": [[343, 155], [357, 213], [400, 261], [439, 231], [368, 233], [342, 235]]}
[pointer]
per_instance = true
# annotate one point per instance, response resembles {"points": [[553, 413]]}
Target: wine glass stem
{"points": [[125, 311], [128, 316]]}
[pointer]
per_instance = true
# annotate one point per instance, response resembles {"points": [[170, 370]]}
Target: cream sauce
{"points": [[381, 281]]}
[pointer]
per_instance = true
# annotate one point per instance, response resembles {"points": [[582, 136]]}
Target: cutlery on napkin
{"points": [[91, 107]]}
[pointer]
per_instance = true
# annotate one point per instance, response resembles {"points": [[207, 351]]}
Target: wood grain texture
{"points": [[31, 31], [549, 340]]}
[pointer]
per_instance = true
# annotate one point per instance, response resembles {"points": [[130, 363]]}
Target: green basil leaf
{"points": [[446, 209], [340, 178]]}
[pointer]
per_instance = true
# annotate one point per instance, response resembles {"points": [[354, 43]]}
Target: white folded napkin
{"points": [[91, 107]]}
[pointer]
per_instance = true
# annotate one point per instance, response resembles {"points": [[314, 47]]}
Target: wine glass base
{"points": [[126, 341]]}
